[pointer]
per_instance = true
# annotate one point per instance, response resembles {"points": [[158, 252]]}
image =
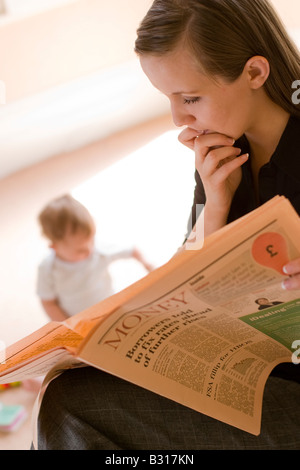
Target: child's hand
{"points": [[217, 165], [293, 270]]}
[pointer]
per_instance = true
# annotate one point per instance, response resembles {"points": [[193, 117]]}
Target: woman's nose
{"points": [[181, 117]]}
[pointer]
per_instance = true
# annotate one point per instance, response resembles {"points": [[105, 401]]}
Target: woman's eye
{"points": [[191, 100]]}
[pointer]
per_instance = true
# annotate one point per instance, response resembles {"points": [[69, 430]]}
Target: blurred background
{"points": [[77, 115]]}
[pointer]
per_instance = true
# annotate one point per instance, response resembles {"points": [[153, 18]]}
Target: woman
{"points": [[227, 67]]}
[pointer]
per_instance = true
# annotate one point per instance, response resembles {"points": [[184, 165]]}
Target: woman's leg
{"points": [[89, 409]]}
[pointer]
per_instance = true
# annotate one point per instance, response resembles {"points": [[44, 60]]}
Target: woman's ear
{"points": [[258, 70]]}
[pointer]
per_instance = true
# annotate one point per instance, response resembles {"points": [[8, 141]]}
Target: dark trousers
{"points": [[86, 409]]}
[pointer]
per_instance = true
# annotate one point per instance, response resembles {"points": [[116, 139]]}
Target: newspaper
{"points": [[205, 330], [210, 336]]}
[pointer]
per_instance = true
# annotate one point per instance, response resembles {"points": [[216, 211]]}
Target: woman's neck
{"points": [[266, 132], [264, 136]]}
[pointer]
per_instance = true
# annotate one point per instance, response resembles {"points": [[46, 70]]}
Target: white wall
{"points": [[55, 46], [58, 65]]}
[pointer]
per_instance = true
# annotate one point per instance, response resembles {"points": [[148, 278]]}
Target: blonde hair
{"points": [[63, 216], [223, 35]]}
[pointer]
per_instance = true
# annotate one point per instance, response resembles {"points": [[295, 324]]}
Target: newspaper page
{"points": [[211, 333], [38, 353]]}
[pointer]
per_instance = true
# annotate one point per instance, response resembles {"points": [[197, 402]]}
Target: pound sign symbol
{"points": [[270, 251]]}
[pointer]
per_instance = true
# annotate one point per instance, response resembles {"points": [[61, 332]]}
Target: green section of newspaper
{"points": [[281, 322]]}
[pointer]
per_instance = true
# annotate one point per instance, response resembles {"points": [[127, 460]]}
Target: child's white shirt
{"points": [[77, 286]]}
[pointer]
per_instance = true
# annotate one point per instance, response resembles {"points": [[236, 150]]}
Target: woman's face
{"points": [[197, 101]]}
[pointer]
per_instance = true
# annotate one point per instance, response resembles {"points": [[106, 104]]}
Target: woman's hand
{"points": [[218, 164], [292, 269]]}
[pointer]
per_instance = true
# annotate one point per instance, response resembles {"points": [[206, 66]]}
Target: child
{"points": [[74, 276], [227, 67]]}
